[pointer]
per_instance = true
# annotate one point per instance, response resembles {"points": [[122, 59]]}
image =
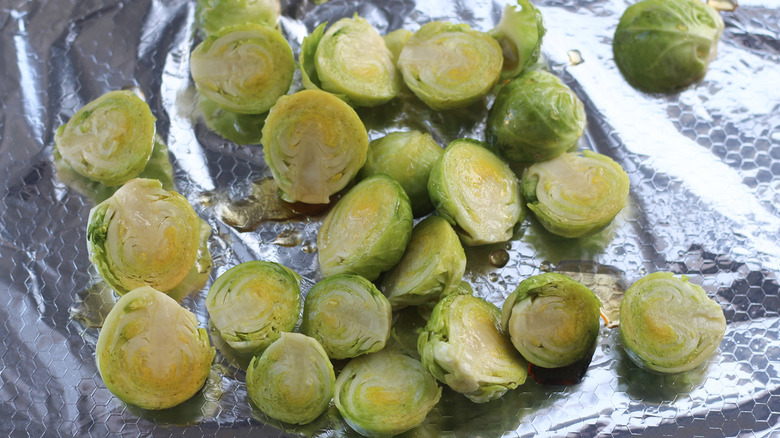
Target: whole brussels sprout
{"points": [[215, 15], [661, 46], [519, 32]]}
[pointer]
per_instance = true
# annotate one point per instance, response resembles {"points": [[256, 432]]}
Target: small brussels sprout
{"points": [[252, 303], [314, 144], [243, 69], [151, 352], [661, 46], [293, 380], [408, 158], [520, 34], [575, 195], [347, 315], [463, 346], [385, 393], [367, 230], [476, 192], [669, 325], [236, 127], [450, 65], [215, 15], [432, 266], [110, 139], [535, 117]]}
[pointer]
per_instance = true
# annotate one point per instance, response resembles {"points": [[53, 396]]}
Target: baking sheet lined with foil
{"points": [[704, 166]]}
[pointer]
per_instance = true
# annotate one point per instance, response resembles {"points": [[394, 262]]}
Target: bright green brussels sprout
{"points": [[575, 195], [144, 235], [450, 65], [314, 144], [432, 266], [408, 158], [535, 117], [151, 352], [252, 303], [215, 15], [669, 325], [520, 34], [661, 46], [367, 230], [476, 192], [551, 319], [396, 40], [347, 315], [243, 69], [293, 380], [463, 346], [236, 127], [110, 139], [385, 393]]}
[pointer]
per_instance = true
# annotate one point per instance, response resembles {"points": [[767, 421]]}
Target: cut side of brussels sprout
{"points": [[215, 15], [669, 325], [519, 33], [151, 352]]}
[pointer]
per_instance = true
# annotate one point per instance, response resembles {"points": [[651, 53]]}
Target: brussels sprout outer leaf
{"points": [[395, 41], [215, 15], [239, 128], [519, 32], [306, 59]]}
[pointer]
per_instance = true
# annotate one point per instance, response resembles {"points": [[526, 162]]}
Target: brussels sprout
{"points": [[396, 40], [450, 65], [367, 230], [236, 127], [252, 303], [215, 15], [243, 69], [463, 346], [520, 34], [408, 158], [385, 393], [293, 380], [432, 266], [476, 192], [314, 144], [144, 235], [347, 315], [575, 195], [151, 352], [669, 325], [109, 140], [662, 46]]}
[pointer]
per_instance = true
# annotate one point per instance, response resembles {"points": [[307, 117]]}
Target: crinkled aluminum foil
{"points": [[705, 176]]}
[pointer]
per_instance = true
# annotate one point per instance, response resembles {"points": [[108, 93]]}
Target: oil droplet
{"points": [[499, 258], [575, 57], [246, 214], [493, 277], [508, 246], [289, 238], [723, 5], [309, 247]]}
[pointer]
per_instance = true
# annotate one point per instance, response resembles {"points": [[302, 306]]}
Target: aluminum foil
{"points": [[704, 166]]}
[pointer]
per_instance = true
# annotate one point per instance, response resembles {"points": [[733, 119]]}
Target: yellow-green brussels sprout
{"points": [[432, 266], [476, 192], [450, 65], [243, 69], [144, 235], [252, 303], [110, 139], [669, 325], [408, 158], [236, 127], [665, 45], [151, 352], [520, 34], [551, 319], [576, 195], [215, 15], [314, 144], [463, 346], [347, 315], [293, 380], [367, 230], [385, 393]]}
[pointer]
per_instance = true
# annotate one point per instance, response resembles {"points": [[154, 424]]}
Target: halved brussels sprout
{"points": [[252, 303], [236, 127], [243, 69], [408, 158], [535, 117], [215, 15], [367, 231], [476, 192], [385, 393], [144, 235], [151, 352], [347, 315], [575, 195], [110, 139], [669, 325], [662, 46], [432, 266], [314, 144], [520, 35], [293, 380], [463, 346], [450, 65]]}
